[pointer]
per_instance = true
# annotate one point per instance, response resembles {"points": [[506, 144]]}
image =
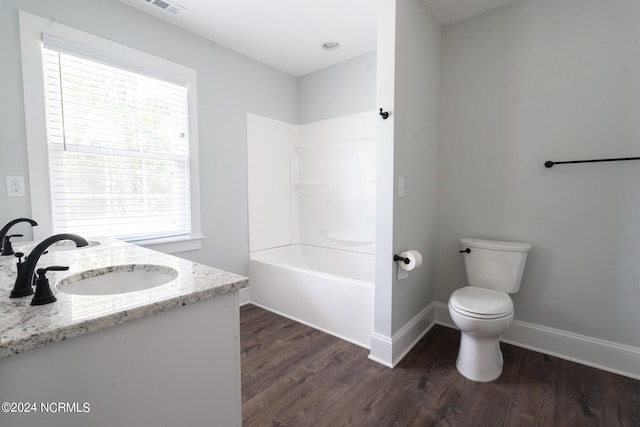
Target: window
{"points": [[119, 138], [118, 150]]}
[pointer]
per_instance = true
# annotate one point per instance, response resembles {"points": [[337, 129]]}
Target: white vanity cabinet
{"points": [[176, 368], [167, 356]]}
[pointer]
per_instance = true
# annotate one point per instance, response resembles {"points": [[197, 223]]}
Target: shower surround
{"points": [[312, 191]]}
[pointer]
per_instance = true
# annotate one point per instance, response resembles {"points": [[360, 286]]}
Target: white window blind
{"points": [[118, 149]]}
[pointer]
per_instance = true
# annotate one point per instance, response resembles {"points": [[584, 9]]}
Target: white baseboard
{"points": [[381, 350], [390, 351], [606, 355]]}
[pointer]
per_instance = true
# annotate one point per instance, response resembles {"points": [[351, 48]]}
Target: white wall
{"points": [[535, 81], [417, 101], [229, 85], [345, 88], [408, 86]]}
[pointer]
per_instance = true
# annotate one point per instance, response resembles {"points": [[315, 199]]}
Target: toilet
{"points": [[483, 310]]}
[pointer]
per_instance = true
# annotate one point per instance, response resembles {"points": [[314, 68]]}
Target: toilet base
{"points": [[479, 357]]}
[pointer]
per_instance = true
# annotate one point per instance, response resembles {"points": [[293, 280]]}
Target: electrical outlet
{"points": [[15, 186]]}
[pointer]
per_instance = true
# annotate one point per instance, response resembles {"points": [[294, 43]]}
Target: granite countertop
{"points": [[24, 327]]}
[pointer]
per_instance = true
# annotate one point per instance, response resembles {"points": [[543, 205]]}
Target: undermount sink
{"points": [[117, 279]]}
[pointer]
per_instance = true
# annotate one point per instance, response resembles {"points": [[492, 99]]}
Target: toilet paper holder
{"points": [[401, 258]]}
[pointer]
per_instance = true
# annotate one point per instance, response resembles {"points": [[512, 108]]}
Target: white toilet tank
{"points": [[494, 264]]}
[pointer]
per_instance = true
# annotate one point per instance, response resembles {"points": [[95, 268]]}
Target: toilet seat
{"points": [[481, 303]]}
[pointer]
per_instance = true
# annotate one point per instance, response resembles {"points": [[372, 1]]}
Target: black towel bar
{"points": [[549, 163]]}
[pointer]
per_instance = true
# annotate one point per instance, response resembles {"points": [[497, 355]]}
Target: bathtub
{"points": [[327, 289]]}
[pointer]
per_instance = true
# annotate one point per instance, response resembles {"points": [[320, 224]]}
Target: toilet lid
{"points": [[480, 302]]}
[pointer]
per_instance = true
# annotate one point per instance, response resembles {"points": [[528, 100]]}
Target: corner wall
{"points": [[409, 87], [342, 89]]}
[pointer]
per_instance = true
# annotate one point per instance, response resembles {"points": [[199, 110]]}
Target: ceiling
{"points": [[450, 11], [289, 34]]}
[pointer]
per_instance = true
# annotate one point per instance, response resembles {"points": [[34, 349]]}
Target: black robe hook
{"points": [[384, 114]]}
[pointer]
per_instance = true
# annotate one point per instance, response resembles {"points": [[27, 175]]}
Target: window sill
{"points": [[173, 245]]}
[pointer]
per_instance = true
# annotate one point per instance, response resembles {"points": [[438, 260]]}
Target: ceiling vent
{"points": [[172, 8]]}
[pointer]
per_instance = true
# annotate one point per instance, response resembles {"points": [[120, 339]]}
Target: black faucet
{"points": [[4, 239], [24, 280]]}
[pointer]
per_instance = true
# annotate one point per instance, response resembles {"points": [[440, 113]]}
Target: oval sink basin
{"points": [[117, 279]]}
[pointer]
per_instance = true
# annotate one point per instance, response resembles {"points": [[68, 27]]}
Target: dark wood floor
{"points": [[293, 375]]}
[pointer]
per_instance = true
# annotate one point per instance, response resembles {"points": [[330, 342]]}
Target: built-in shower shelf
{"points": [[319, 144], [360, 240]]}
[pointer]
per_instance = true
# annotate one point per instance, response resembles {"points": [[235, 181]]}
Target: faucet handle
{"points": [[7, 248], [43, 290], [21, 289]]}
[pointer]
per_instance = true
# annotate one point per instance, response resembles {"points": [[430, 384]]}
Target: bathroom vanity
{"points": [[163, 356]]}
